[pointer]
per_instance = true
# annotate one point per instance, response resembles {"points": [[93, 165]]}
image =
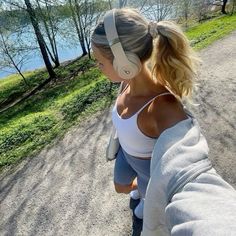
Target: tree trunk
{"points": [[82, 43], [88, 47], [122, 3], [223, 7], [54, 43], [110, 4], [81, 40], [40, 39], [53, 53], [233, 7]]}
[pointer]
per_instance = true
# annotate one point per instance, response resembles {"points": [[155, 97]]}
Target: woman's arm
{"points": [[185, 196]]}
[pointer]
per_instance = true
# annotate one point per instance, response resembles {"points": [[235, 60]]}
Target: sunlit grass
{"points": [[207, 32]]}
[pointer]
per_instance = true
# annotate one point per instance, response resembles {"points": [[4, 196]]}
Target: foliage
{"points": [[21, 135], [76, 102], [14, 19]]}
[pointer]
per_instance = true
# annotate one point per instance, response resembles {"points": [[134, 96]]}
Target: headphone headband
{"points": [[113, 38], [110, 27], [127, 64]]}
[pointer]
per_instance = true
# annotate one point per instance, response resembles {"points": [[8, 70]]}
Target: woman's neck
{"points": [[143, 84]]}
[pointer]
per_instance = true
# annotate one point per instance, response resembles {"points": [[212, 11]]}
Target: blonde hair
{"points": [[174, 63]]}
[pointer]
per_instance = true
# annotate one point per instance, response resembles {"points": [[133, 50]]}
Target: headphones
{"points": [[126, 64]]}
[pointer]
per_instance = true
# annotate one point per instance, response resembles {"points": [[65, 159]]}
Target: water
{"points": [[68, 48]]}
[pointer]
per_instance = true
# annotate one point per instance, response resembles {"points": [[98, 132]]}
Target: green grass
{"points": [[209, 31], [20, 137], [26, 128], [14, 85]]}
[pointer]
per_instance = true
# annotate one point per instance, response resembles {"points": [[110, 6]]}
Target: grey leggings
{"points": [[128, 167]]}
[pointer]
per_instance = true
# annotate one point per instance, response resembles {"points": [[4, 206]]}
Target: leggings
{"points": [[128, 167]]}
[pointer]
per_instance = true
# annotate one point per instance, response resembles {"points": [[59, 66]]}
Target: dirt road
{"points": [[67, 189]]}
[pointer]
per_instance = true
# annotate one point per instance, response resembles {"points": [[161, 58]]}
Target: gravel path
{"points": [[67, 189]]}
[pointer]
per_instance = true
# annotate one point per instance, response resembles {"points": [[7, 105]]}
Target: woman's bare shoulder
{"points": [[166, 111]]}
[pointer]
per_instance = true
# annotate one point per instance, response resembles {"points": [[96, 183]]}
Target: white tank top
{"points": [[132, 140]]}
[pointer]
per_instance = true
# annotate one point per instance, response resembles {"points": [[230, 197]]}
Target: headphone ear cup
{"points": [[129, 70]]}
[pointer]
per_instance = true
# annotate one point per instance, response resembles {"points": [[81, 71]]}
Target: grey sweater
{"points": [[185, 195]]}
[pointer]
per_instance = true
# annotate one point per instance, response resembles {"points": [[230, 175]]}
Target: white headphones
{"points": [[126, 64]]}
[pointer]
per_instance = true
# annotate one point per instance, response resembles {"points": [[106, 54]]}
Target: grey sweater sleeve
{"points": [[205, 206], [185, 196]]}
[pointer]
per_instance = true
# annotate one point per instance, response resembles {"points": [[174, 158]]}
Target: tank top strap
{"points": [[122, 90], [145, 105]]}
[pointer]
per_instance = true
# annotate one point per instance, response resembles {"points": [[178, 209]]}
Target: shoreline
{"points": [[63, 63]]}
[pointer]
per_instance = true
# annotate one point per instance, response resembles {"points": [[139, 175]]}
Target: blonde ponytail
{"points": [[174, 62]]}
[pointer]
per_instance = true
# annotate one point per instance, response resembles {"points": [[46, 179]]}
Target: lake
{"points": [[68, 48]]}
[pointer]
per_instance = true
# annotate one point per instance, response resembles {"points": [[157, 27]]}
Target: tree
{"points": [[92, 11], [85, 14], [233, 6], [76, 13], [27, 6], [13, 51], [183, 9], [223, 6], [110, 5], [142, 5], [40, 39], [158, 9], [201, 8], [49, 20], [13, 55], [122, 3]]}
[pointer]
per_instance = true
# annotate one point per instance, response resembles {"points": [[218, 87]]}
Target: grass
{"points": [[31, 125], [209, 31]]}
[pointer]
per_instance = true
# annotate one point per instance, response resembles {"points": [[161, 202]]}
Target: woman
{"points": [[156, 66]]}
